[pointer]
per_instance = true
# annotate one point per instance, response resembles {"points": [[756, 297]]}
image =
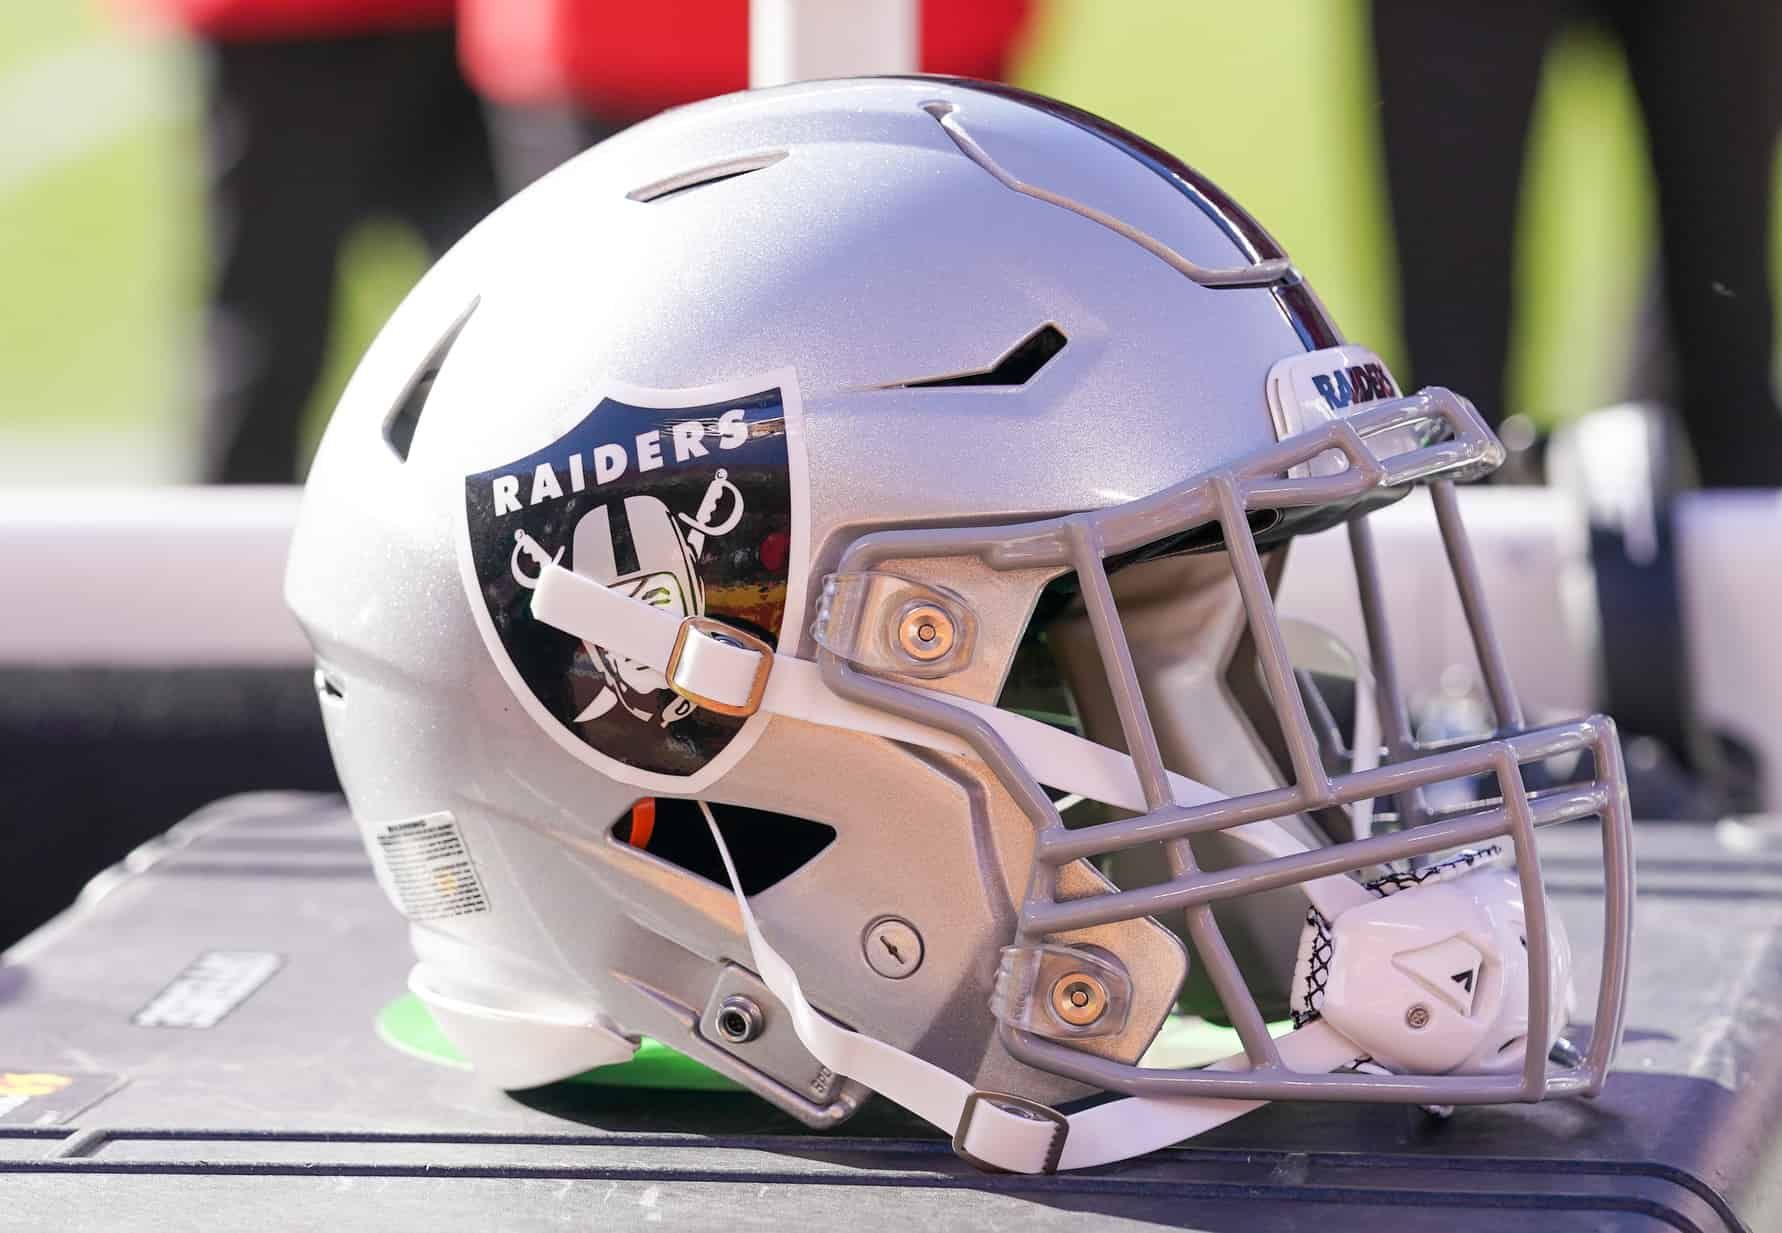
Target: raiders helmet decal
{"points": [[691, 500]]}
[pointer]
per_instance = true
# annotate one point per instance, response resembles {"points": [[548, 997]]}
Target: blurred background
{"points": [[109, 145], [208, 208]]}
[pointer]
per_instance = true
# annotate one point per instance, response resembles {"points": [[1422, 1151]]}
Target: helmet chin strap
{"points": [[994, 1130], [703, 666], [1002, 1132]]}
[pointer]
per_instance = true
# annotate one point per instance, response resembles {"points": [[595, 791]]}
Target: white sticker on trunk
{"points": [[212, 985], [426, 868]]}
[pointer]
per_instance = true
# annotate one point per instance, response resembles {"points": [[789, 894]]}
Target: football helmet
{"points": [[796, 583]]}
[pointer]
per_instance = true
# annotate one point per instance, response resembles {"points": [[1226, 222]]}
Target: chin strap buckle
{"points": [[992, 1144], [705, 669]]}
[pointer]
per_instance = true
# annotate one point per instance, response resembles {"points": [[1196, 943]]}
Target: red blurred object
{"points": [[643, 822], [774, 550], [242, 20], [625, 59]]}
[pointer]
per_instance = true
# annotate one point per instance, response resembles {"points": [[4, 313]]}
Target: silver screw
{"points": [[892, 947], [739, 1019], [1417, 1018], [925, 633], [1079, 998]]}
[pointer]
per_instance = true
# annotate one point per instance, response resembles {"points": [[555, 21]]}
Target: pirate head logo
{"points": [[688, 508], [653, 558]]}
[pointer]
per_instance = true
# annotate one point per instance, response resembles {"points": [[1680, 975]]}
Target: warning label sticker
{"points": [[214, 984], [47, 1097], [425, 867]]}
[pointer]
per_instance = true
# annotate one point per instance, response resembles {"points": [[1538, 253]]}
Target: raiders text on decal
{"points": [[1355, 384], [681, 499], [687, 440]]}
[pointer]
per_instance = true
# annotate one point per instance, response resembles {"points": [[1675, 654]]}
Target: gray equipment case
{"points": [[155, 1085]]}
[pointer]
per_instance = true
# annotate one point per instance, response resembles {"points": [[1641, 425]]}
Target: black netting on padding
{"points": [[1403, 879], [1316, 951]]}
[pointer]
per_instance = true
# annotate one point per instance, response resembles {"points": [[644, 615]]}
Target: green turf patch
{"points": [[1275, 99], [103, 265], [1189, 1041], [406, 1025]]}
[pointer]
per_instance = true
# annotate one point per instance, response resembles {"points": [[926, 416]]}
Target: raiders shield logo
{"points": [[689, 500]]}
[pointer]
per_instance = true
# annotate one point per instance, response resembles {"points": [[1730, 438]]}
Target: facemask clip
{"points": [[887, 623], [1061, 992]]}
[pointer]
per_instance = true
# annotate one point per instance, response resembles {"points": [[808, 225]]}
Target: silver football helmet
{"points": [[796, 583]]}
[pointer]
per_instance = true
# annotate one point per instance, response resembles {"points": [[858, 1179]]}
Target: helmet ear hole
{"points": [[767, 847], [400, 424]]}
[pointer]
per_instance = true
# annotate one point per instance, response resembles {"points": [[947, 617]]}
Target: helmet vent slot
{"points": [[405, 416], [767, 847], [705, 177], [1021, 365]]}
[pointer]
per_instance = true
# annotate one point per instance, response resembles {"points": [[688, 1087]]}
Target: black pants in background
{"points": [[307, 139], [1458, 82]]}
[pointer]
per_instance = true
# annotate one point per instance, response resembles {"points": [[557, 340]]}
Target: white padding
{"points": [[160, 577], [1729, 554], [802, 40]]}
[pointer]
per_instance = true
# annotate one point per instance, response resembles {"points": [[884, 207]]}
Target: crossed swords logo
{"points": [[699, 526]]}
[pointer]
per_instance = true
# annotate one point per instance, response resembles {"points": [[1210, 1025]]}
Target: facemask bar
{"points": [[1463, 448]]}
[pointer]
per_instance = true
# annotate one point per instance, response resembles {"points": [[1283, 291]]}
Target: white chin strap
{"points": [[729, 677], [991, 1129]]}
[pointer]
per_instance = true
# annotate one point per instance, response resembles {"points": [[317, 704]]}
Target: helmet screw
{"points": [[1417, 1018], [1079, 998], [739, 1019], [925, 633], [892, 947]]}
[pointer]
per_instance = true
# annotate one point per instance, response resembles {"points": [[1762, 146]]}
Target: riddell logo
{"points": [[1356, 384]]}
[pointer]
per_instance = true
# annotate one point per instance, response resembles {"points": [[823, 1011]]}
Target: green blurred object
{"points": [[101, 234], [406, 1025], [1186, 1040], [1272, 99], [379, 263]]}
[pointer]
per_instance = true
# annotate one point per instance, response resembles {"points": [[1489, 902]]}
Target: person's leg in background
{"points": [[531, 140], [1457, 85], [437, 170], [1706, 76], [309, 138], [283, 187]]}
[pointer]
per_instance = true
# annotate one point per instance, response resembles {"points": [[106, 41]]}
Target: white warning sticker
{"points": [[212, 985], [426, 869]]}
